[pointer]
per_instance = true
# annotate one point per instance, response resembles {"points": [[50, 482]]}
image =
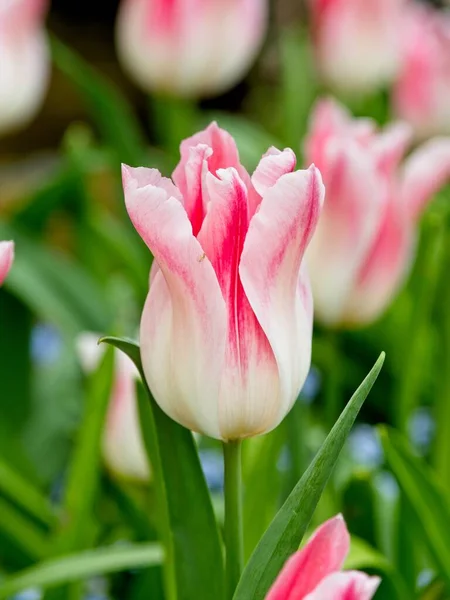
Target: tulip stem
{"points": [[234, 544]]}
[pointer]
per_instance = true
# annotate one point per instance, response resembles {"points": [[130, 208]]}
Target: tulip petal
{"points": [[384, 270], [250, 388], [183, 327], [347, 228], [424, 173], [271, 167], [348, 585], [323, 555], [391, 145], [270, 272], [6, 259]]}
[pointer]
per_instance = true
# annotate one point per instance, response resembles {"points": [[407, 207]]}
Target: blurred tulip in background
{"points": [[189, 47], [123, 448], [6, 259], [314, 572], [366, 238], [226, 329], [24, 62], [357, 42], [422, 90]]}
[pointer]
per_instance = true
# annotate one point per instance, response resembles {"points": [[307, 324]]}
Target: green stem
{"points": [[234, 545]]}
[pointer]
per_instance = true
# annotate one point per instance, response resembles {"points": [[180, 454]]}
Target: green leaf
{"points": [[25, 495], [197, 547], [427, 499], [109, 109], [85, 469], [286, 531], [54, 287], [84, 565], [22, 532]]}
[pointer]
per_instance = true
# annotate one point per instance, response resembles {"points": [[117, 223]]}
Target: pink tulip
{"points": [[357, 42], [6, 259], [226, 328], [365, 242], [123, 448], [314, 573], [422, 90], [189, 47], [24, 61]]}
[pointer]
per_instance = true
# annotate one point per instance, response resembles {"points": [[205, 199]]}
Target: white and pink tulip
{"points": [[6, 259], [227, 325]]}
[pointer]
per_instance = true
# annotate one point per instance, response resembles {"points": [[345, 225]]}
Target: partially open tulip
{"points": [[24, 62], [366, 238], [6, 259], [123, 448], [314, 572], [357, 42], [422, 90], [189, 47], [226, 328]]}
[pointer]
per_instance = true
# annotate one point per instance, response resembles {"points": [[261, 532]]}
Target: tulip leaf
{"points": [[286, 531], [67, 569], [428, 501], [197, 547], [110, 110]]}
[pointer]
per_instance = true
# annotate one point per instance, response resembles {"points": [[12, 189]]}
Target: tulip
{"points": [[123, 447], [357, 42], [189, 47], [227, 324], [6, 259], [24, 62], [314, 573], [422, 89], [366, 239]]}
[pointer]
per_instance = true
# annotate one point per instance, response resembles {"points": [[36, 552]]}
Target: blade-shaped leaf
{"points": [[427, 499], [71, 568], [196, 541], [286, 531]]}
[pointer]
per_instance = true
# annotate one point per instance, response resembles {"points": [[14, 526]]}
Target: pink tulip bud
{"points": [[226, 328], [24, 62], [123, 448], [366, 238], [422, 90], [314, 573], [6, 259], [189, 47], [357, 42]]}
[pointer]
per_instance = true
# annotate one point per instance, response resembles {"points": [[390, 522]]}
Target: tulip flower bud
{"points": [[123, 448], [422, 89], [24, 62], [314, 572], [365, 242], [6, 259], [189, 47], [226, 329], [357, 42]]}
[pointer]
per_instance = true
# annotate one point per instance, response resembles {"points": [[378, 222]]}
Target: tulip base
{"points": [[233, 532]]}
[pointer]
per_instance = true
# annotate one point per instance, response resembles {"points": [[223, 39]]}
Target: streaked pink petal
{"points": [[350, 220], [144, 176], [385, 268], [323, 555], [390, 147], [271, 167], [6, 259], [424, 173], [222, 238], [348, 585], [184, 323], [270, 271]]}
